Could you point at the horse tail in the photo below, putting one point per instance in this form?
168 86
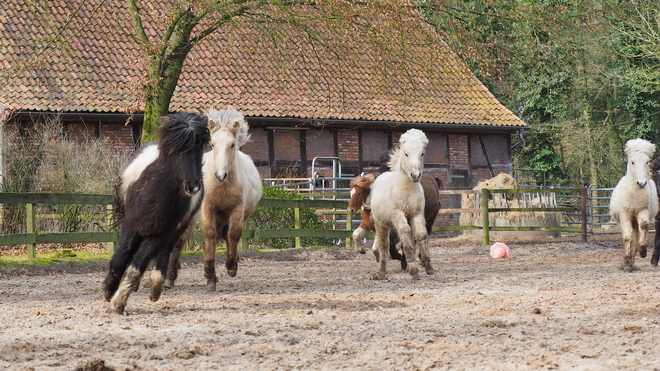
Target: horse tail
118 206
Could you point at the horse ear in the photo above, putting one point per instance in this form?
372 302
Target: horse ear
235 125
212 126
371 177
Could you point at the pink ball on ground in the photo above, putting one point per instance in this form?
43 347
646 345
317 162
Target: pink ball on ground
499 250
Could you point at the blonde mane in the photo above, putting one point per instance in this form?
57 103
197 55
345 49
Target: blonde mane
639 146
411 138
232 120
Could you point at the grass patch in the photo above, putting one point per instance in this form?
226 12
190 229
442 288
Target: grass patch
48 259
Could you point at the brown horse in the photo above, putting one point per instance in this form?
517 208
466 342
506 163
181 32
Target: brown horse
232 188
360 191
656 244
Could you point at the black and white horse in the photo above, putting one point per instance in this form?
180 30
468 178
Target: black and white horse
157 196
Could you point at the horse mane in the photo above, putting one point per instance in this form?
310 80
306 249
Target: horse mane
362 181
182 132
410 136
232 120
639 146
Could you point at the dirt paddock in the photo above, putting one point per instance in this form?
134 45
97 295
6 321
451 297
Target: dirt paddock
556 304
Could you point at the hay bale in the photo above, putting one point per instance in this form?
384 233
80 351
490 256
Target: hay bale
506 219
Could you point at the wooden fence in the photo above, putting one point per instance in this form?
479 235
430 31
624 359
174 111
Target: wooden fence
33 237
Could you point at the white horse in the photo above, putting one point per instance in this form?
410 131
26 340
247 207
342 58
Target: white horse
397 201
232 187
634 201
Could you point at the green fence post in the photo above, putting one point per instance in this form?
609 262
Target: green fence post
30 224
484 215
349 226
109 211
244 241
297 225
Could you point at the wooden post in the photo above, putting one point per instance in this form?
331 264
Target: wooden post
109 210
484 215
244 241
583 207
349 227
30 226
297 225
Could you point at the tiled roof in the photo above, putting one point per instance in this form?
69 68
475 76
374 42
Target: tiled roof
262 69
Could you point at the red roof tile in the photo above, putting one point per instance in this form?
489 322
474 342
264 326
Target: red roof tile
263 71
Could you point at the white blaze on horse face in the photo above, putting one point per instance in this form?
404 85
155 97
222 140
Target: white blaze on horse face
638 168
224 153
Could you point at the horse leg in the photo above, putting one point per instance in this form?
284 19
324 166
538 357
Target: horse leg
421 239
234 234
380 246
131 279
210 230
403 229
174 264
644 223
656 242
357 236
157 274
394 251
627 237
124 251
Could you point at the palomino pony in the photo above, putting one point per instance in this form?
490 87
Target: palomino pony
397 202
232 189
360 191
634 201
656 242
157 196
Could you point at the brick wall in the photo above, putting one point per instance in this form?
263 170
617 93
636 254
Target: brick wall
120 135
458 149
348 147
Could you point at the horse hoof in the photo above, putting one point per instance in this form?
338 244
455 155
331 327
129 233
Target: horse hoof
430 272
210 287
378 276
416 277
362 251
116 310
231 273
628 269
168 284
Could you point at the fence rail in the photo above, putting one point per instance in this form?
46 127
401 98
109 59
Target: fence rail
32 237
332 207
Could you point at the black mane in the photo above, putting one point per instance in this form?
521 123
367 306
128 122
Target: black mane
183 132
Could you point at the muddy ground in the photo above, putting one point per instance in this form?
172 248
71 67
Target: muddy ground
554 304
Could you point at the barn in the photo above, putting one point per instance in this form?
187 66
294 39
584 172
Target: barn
309 104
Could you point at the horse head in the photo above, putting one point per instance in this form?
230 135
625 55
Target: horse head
655 170
360 190
639 152
183 137
229 131
409 157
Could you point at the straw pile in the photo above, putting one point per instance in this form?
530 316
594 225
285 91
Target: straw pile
506 219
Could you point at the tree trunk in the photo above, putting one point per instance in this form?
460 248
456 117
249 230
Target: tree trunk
165 77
